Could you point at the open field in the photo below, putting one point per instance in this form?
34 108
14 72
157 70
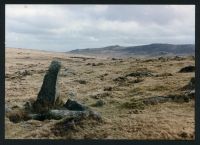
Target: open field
113 82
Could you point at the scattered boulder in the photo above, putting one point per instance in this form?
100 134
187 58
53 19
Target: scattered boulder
162 59
163 75
170 98
48 93
74 105
187 69
140 74
135 111
120 79
108 88
18 74
180 98
101 95
149 60
99 103
41 71
67 72
137 80
71 94
114 58
81 81
97 64
88 64
183 134
102 76
178 58
156 100
23 73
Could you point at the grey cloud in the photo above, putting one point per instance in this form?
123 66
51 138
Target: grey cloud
66 27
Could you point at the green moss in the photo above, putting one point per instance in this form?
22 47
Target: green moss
133 104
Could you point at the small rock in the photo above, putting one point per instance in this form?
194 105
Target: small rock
178 58
191 94
99 103
138 80
67 72
114 58
101 95
22 73
28 106
140 74
7 109
108 88
74 105
155 100
88 64
71 94
81 81
120 79
163 75
187 69
183 134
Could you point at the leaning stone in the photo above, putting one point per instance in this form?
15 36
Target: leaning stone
74 105
48 93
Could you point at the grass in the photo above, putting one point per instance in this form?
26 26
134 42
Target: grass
133 104
161 121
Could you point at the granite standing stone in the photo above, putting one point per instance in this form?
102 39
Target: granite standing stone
48 93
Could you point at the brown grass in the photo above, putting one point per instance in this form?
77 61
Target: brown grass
168 120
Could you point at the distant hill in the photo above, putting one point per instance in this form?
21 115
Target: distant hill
151 50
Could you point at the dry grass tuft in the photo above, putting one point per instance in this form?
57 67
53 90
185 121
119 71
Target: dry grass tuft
133 104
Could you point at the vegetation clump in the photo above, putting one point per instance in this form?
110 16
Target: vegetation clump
134 104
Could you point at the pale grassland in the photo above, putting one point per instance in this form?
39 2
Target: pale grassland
169 120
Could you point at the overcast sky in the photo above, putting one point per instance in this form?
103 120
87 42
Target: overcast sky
67 27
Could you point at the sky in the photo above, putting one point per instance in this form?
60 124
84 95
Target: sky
66 27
